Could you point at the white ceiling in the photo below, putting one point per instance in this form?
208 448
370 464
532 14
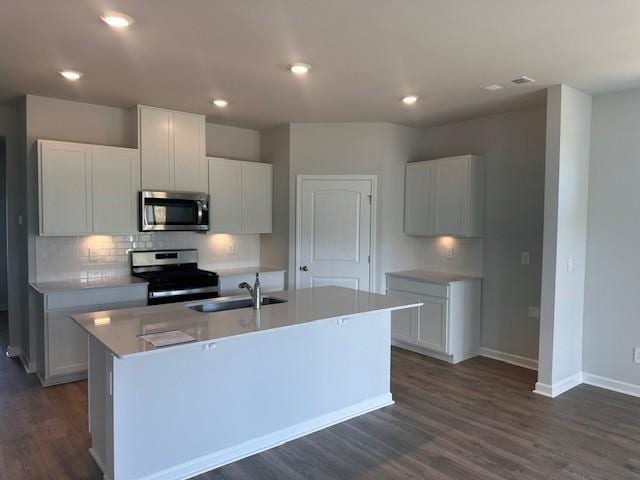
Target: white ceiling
365 55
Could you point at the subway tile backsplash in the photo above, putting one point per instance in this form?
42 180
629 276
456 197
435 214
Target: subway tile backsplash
94 256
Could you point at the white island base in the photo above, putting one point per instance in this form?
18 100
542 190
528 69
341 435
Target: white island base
180 411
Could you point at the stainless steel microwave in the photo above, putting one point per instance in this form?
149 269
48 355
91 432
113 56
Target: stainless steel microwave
176 211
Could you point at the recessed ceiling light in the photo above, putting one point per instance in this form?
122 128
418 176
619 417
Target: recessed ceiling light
70 74
522 80
300 68
410 99
116 19
493 88
220 102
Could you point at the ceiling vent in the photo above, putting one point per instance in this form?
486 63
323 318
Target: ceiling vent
522 80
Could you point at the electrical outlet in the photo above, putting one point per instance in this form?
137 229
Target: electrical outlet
525 258
449 253
636 355
231 249
534 311
569 264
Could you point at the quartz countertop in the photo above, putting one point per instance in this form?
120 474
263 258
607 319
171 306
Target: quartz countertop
118 330
229 272
433 277
82 283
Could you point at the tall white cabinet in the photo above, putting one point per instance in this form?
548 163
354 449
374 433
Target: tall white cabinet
445 197
86 189
172 150
241 196
447 326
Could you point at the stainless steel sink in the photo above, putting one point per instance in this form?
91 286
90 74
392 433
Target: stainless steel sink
232 304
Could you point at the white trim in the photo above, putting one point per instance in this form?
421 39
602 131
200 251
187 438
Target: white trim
29 367
558 388
372 240
611 384
99 463
524 362
445 357
13 351
260 444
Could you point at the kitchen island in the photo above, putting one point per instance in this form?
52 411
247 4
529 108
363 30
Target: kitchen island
248 381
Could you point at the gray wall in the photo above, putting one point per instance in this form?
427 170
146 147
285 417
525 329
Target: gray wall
513 144
565 237
612 303
3 225
12 128
275 148
233 142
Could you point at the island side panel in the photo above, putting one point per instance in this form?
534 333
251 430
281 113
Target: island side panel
181 411
101 406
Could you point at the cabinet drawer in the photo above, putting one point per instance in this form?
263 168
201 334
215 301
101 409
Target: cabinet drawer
421 288
96 296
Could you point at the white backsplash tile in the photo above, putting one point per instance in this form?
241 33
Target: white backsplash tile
61 258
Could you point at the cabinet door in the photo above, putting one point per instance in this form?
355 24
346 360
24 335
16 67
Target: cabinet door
156 148
256 197
66 344
65 188
404 323
188 149
225 191
419 198
452 195
116 182
433 324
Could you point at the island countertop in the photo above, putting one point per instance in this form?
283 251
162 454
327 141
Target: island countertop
119 330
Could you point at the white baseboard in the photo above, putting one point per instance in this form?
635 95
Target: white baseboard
29 367
251 447
529 363
611 384
560 387
422 351
13 351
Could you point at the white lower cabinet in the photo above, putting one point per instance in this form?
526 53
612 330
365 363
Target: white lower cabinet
447 326
62 352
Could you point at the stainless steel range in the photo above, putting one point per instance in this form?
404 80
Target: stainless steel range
173 275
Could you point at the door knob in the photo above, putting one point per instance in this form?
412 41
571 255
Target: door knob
304 268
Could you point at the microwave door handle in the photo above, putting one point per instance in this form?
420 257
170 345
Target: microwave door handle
200 210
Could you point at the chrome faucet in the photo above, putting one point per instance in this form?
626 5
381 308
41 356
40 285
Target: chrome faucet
255 292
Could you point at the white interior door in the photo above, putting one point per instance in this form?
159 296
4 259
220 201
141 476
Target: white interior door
334 233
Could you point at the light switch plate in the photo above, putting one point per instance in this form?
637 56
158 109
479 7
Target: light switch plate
570 265
636 355
450 252
525 258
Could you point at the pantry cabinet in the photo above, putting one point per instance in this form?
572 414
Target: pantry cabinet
240 196
172 150
445 197
447 325
86 189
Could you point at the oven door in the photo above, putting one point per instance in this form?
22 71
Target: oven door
177 211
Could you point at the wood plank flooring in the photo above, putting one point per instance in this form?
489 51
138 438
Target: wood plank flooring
477 420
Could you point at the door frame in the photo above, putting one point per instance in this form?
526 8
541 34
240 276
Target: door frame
372 235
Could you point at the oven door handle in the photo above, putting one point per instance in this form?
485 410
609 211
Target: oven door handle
187 291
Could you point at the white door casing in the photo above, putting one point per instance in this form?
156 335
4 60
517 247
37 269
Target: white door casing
334 231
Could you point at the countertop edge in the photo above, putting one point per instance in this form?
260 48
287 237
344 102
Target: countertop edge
75 288
439 281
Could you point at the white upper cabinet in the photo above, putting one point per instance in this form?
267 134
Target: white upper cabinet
64 171
257 185
115 185
241 196
172 150
87 189
225 194
445 197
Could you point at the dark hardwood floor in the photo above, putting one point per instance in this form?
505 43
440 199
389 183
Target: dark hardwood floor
477 420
